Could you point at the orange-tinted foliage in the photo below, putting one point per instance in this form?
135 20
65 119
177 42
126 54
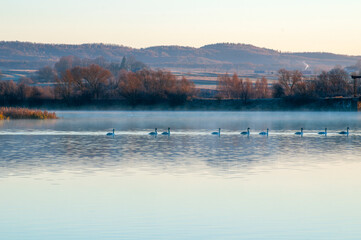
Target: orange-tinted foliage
154 86
24 113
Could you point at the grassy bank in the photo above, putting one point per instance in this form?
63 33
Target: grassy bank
24 113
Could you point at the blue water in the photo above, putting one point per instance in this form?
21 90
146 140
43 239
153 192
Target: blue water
64 179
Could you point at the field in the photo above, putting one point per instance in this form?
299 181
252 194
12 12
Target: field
208 80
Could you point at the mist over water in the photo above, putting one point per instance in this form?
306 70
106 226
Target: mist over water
65 179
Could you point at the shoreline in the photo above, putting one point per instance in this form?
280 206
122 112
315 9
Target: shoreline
273 104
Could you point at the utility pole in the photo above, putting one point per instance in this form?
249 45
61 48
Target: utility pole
355 77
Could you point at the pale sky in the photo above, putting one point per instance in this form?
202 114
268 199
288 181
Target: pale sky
286 25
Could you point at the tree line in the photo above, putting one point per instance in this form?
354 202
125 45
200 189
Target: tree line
144 86
49 74
334 83
77 81
83 84
238 88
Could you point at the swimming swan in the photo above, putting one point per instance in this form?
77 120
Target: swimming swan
300 133
111 133
246 133
154 133
166 133
323 133
345 132
264 133
217 133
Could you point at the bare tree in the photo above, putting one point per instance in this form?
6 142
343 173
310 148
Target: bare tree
289 79
278 91
261 88
130 86
185 89
65 85
66 62
46 74
247 92
223 86
264 87
321 85
152 86
336 82
296 78
284 80
230 88
95 77
23 91
8 89
339 82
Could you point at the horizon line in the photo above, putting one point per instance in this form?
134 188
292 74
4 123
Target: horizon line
172 45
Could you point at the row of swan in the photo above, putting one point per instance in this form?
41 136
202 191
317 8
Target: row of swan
325 132
297 133
151 133
243 133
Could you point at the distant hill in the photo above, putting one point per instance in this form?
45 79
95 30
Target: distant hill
217 57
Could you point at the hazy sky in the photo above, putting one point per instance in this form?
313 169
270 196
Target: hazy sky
286 25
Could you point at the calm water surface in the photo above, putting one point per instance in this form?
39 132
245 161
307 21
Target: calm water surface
64 179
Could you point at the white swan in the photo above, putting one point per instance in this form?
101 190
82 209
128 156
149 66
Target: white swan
166 133
246 133
323 133
345 132
300 133
264 133
217 133
111 133
154 133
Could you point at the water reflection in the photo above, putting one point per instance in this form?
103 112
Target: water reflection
77 141
64 179
30 147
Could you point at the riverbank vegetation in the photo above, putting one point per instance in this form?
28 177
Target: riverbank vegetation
290 84
81 85
334 83
75 82
24 113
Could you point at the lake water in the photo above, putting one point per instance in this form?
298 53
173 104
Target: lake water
64 179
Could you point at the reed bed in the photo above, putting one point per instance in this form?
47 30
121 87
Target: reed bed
25 113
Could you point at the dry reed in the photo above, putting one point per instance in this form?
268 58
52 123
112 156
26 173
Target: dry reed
24 113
